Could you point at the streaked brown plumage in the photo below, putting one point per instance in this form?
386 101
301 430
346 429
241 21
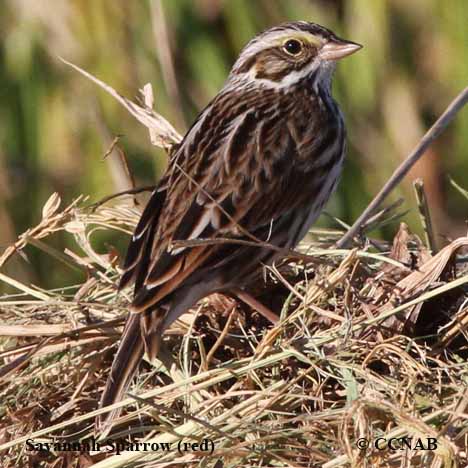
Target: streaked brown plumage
263 158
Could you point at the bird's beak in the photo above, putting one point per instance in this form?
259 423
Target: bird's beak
336 49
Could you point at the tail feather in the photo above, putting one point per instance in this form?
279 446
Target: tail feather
123 369
142 334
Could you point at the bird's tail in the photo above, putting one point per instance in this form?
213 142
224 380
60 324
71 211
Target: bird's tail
123 369
141 333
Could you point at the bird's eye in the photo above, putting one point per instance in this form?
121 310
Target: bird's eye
292 47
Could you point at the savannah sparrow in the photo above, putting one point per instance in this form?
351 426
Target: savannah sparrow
260 162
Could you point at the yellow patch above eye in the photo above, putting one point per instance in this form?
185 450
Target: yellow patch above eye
302 37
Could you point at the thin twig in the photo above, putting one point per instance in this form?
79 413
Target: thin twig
442 122
425 214
289 253
111 147
380 218
187 416
134 191
220 339
461 190
167 135
126 168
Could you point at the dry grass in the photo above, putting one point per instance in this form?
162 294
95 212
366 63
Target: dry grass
372 343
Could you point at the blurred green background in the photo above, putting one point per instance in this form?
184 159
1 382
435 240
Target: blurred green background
55 126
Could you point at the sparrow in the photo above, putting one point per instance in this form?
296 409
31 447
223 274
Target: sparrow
258 164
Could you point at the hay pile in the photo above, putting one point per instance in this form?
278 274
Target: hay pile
372 346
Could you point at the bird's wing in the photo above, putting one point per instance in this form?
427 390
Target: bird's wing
234 173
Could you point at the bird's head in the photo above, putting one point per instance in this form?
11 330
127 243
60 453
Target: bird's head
286 54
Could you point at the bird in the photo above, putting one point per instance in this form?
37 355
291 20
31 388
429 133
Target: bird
257 165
